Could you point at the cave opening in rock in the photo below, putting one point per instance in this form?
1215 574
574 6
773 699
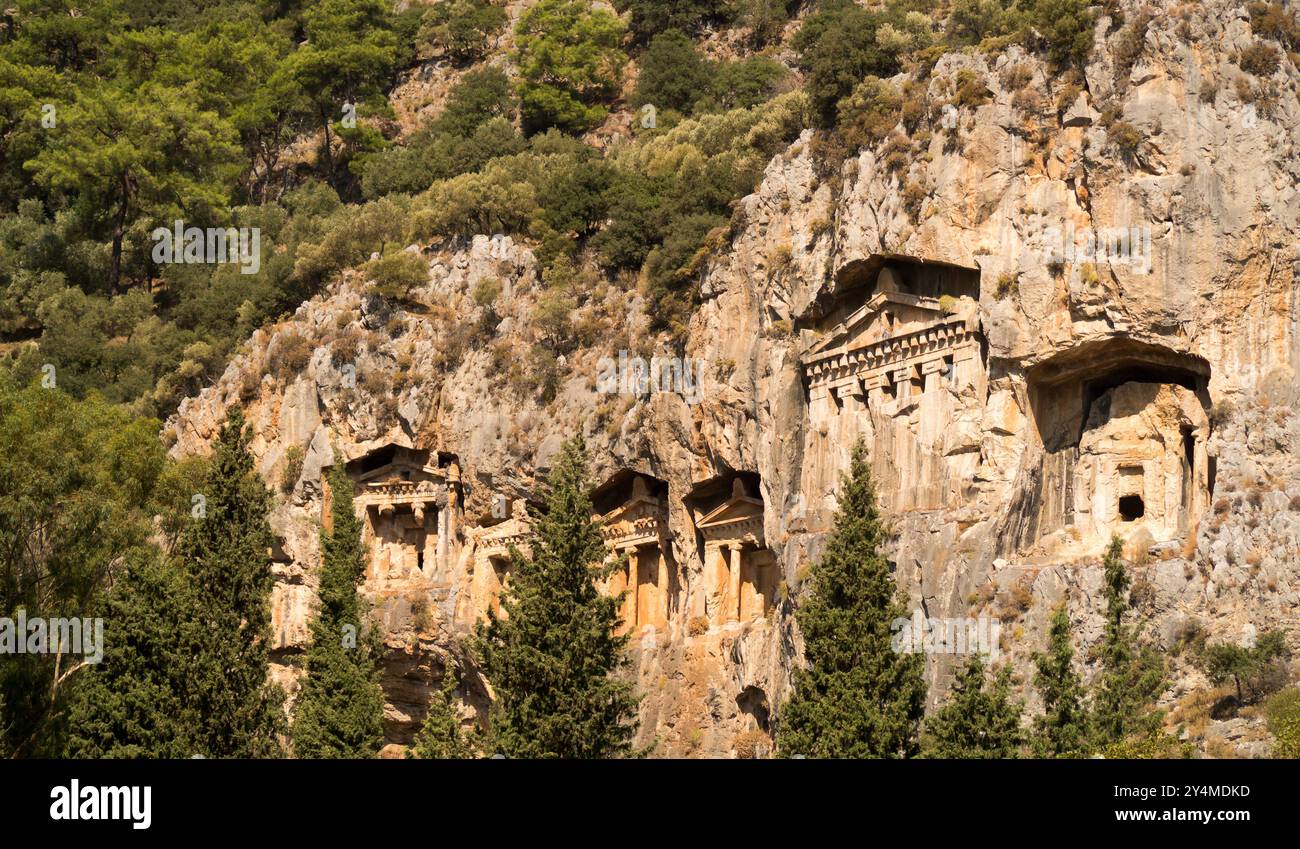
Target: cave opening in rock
753 701
1131 508
1123 427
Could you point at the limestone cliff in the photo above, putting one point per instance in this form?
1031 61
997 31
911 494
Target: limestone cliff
941 295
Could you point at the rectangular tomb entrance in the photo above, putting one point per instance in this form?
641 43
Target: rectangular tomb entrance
410 503
632 508
896 359
739 571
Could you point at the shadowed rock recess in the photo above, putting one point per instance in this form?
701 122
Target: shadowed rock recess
1022 398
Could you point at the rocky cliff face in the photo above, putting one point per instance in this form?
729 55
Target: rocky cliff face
940 295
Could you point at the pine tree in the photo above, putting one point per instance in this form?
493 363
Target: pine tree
441 738
132 703
857 698
551 661
1062 729
1130 677
232 707
340 713
978 721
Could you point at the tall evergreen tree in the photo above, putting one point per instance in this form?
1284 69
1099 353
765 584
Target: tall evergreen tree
441 738
979 720
857 698
132 703
552 660
234 709
1130 677
340 713
1062 729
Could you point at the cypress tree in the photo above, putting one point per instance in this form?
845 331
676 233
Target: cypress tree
131 703
979 720
232 707
1130 677
857 697
340 713
1062 729
552 661
441 738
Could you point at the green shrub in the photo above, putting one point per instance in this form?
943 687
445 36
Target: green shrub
459 29
671 74
292 468
486 291
870 113
1252 671
478 97
764 19
569 62
649 17
972 22
745 82
396 273
1126 137
1283 712
1066 26
837 47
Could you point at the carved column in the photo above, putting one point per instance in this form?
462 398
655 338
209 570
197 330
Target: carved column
663 586
443 534
633 567
733 609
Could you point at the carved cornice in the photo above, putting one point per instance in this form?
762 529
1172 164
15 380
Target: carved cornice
843 362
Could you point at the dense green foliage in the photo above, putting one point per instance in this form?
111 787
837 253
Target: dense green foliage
857 696
1283 712
1062 730
188 631
570 61
225 552
1131 676
340 710
460 29
133 703
979 720
552 660
80 483
1246 668
441 737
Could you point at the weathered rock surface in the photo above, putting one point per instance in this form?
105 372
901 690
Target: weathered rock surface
1207 309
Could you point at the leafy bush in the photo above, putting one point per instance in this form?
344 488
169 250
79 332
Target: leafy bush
649 17
974 22
1126 137
870 113
569 62
1250 670
477 98
674 76
1067 27
837 47
671 73
396 273
292 468
459 29
1283 712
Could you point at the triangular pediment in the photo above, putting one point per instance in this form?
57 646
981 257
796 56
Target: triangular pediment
639 507
400 471
736 509
866 325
